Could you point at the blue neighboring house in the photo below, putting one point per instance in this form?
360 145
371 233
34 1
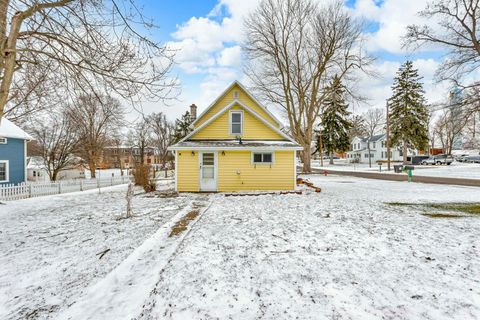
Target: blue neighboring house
13 153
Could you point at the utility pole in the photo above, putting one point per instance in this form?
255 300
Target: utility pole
388 138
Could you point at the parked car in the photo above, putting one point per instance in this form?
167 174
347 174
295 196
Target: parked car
444 159
416 159
430 160
472 159
438 159
461 157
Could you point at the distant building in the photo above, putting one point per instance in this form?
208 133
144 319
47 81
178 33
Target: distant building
13 153
37 171
378 150
126 157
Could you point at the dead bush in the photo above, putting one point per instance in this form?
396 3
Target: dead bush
143 178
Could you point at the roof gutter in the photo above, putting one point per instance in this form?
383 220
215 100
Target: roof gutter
246 148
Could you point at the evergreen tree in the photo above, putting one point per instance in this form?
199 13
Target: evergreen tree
182 126
408 111
335 125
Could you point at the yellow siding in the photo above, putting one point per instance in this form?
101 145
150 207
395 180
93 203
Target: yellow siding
252 128
187 171
227 98
278 176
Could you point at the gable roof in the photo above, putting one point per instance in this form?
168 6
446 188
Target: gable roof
10 130
204 112
374 138
239 103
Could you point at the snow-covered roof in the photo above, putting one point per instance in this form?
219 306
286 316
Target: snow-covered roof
372 139
9 130
35 162
127 147
235 144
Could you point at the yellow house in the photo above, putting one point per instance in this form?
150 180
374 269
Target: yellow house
236 145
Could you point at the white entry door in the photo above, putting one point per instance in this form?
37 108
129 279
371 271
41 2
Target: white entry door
208 171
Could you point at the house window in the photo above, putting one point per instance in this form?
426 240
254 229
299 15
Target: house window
3 171
263 157
3 140
373 145
236 122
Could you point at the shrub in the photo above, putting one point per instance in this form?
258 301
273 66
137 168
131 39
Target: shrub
142 178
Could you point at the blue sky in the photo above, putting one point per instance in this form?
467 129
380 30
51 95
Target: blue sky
206 36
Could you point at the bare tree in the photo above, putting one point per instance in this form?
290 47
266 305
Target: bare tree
95 119
457 30
374 120
358 128
33 93
129 197
432 133
57 142
441 132
90 45
163 135
293 49
139 138
449 127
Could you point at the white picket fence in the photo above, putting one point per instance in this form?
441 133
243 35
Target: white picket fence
38 189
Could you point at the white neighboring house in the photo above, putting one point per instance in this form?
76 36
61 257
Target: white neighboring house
37 171
378 150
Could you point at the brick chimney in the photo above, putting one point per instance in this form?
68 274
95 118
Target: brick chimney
193 112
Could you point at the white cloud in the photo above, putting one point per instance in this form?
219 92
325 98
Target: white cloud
230 56
209 47
393 17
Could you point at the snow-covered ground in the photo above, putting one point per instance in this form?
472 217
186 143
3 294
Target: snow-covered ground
455 170
106 173
49 246
340 254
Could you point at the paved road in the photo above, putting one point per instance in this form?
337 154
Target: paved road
402 177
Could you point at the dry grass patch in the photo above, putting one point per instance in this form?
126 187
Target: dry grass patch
444 210
181 225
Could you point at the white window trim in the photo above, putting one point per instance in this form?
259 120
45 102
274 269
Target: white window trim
3 140
230 122
7 171
263 163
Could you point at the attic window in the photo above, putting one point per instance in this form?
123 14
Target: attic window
235 94
3 140
236 122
